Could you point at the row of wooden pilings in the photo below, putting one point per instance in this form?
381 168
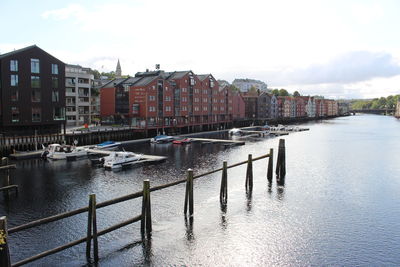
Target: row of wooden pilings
145 216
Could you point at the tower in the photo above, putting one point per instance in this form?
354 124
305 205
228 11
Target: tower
118 72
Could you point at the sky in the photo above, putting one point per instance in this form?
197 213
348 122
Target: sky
337 49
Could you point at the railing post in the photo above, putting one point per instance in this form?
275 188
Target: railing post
89 227
189 193
281 162
5 259
223 195
92 229
249 174
146 226
270 165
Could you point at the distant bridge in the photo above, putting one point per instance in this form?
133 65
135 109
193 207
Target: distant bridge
373 111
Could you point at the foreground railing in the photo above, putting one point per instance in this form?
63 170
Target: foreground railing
145 216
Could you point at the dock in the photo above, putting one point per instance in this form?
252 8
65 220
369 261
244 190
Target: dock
26 154
218 141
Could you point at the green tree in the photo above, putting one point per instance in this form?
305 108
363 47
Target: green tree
275 92
283 92
296 93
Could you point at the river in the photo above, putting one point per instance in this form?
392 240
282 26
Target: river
340 204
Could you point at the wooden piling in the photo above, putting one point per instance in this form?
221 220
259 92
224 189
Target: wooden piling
5 259
249 174
281 161
146 227
92 229
270 165
223 195
89 227
189 193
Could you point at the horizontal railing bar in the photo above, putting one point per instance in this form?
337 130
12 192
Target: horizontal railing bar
76 242
72 213
116 200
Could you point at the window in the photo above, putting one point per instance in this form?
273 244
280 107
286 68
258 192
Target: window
14 114
35 65
168 108
36 114
191 80
152 108
70 90
54 96
205 99
167 98
35 81
14 80
70 81
211 83
14 95
152 97
58 113
54 69
35 96
14 65
54 82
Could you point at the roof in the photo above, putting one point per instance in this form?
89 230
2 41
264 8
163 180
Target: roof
114 82
202 77
145 80
15 52
177 74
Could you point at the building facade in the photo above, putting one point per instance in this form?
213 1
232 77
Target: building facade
32 85
245 85
78 95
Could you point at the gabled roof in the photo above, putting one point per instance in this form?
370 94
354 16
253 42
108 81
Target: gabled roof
202 77
178 74
114 82
145 80
15 52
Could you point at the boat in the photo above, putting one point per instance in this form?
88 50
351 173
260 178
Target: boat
108 145
266 127
159 139
182 141
57 151
235 131
120 159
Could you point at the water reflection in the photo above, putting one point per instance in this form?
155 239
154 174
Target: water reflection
189 228
249 197
280 193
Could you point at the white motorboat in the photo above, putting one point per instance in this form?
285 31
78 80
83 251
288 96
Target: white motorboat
235 131
57 151
120 159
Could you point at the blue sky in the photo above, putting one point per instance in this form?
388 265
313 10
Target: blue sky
339 49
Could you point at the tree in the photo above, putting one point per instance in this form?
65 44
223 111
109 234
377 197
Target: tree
283 92
96 74
296 93
275 92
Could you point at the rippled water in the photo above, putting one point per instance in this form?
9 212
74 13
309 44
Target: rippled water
340 204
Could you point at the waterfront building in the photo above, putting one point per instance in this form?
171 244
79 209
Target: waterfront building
287 106
245 85
320 110
238 106
251 104
293 108
32 85
280 104
310 107
80 103
300 107
264 105
273 107
161 99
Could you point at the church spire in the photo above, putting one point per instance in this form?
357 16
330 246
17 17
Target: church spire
118 72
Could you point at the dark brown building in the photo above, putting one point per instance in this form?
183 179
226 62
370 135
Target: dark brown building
32 89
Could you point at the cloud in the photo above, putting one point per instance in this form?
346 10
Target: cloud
347 68
72 10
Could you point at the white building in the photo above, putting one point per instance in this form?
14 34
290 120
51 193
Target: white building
311 107
78 95
244 85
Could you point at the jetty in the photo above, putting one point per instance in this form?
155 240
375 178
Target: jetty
218 141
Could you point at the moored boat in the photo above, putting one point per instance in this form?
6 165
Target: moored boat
108 145
120 159
161 139
57 151
235 131
182 141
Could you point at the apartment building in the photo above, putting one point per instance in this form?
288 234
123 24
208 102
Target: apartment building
32 86
78 95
